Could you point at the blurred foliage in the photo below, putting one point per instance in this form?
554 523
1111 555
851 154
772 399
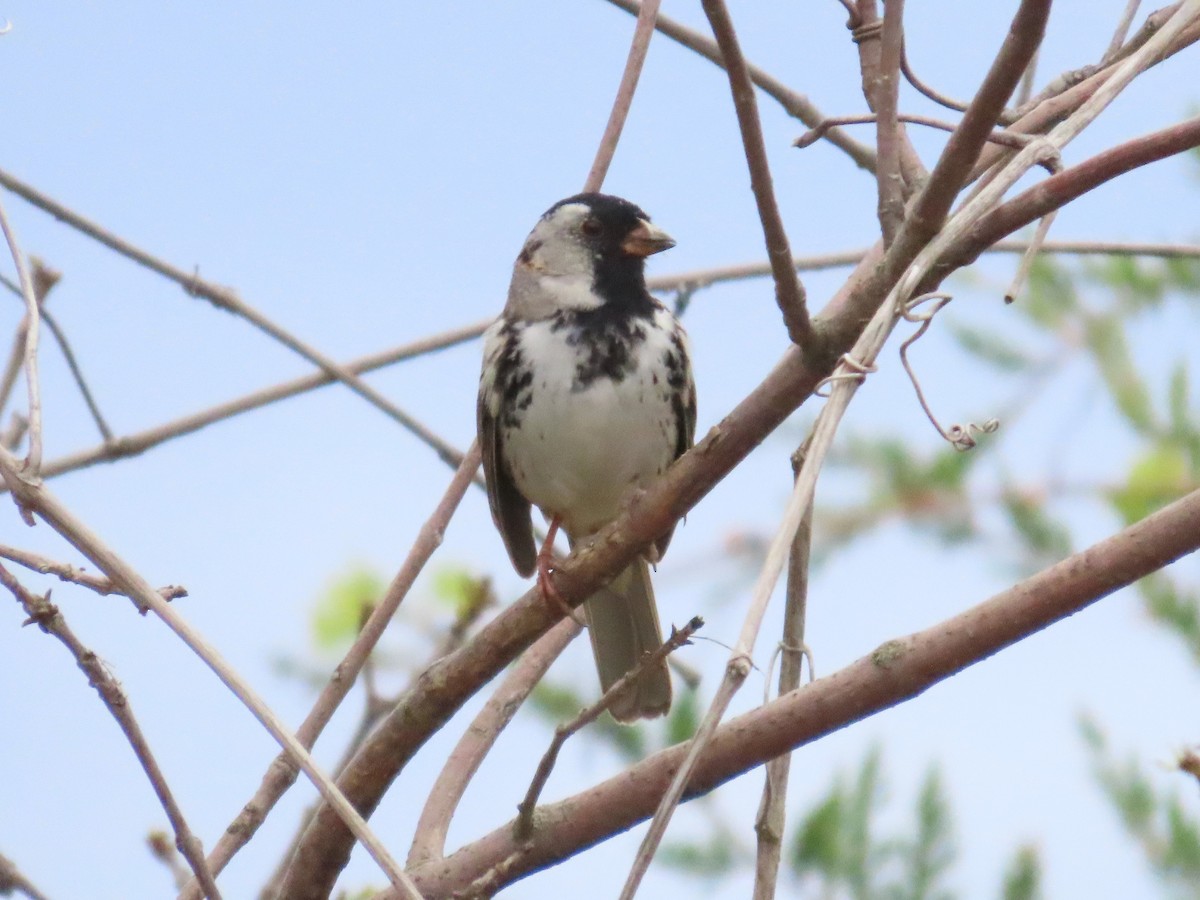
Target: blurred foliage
1163 827
344 606
836 847
1023 879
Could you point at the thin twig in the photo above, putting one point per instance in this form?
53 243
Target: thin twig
1122 30
66 572
702 278
638 47
923 88
1027 258
50 620
772 810
962 149
11 879
226 299
789 292
1004 137
34 496
429 838
526 808
375 707
794 104
134 444
50 277
33 459
282 772
1025 88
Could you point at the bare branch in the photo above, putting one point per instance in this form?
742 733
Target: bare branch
796 105
1118 38
226 299
29 327
35 497
702 278
923 88
282 773
888 136
772 810
11 880
789 292
1007 138
896 671
961 151
1058 190
526 808
429 839
139 442
642 32
48 618
65 572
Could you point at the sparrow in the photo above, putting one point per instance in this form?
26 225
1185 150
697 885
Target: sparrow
586 394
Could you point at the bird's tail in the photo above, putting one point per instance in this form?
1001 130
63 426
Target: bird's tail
623 625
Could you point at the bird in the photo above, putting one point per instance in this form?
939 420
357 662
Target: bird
586 394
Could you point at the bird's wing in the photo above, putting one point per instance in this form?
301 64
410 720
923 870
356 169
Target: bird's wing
510 510
685 417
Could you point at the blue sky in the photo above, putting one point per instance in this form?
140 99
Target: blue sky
364 175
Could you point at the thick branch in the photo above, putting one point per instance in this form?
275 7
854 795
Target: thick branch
1058 190
964 146
896 671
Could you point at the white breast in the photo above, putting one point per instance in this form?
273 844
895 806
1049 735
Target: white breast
579 452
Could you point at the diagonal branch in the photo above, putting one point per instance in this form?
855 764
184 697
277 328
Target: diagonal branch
129 445
888 133
965 144
642 32
1058 190
29 328
794 104
282 772
789 292
49 619
897 671
33 496
429 839
226 299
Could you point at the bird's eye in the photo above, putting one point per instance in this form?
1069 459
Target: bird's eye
590 227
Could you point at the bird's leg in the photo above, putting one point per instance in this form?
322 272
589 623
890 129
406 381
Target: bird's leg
545 560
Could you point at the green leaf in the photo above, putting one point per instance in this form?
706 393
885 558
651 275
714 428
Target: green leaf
1138 284
1050 294
1023 879
928 856
684 718
1045 539
1174 608
340 611
1179 400
1158 477
817 846
990 347
1105 338
704 860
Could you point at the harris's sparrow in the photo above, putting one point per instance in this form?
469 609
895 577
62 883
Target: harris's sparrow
587 393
